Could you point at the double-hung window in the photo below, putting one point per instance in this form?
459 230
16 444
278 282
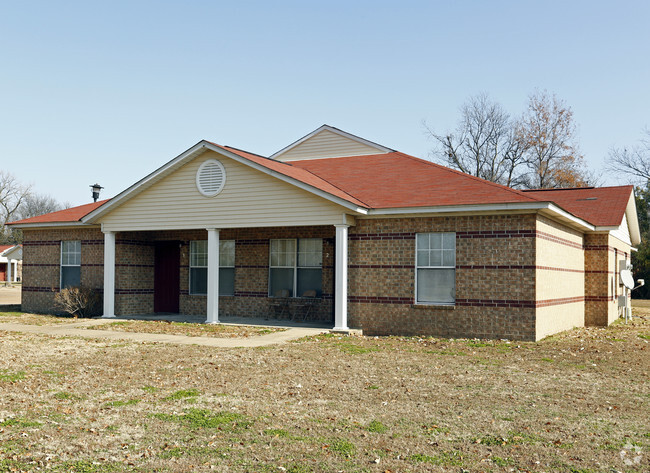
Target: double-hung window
199 267
70 263
435 268
296 267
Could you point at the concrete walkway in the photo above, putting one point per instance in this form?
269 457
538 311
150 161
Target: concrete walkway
77 329
9 295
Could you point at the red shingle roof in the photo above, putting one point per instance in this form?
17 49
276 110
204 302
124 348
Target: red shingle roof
5 247
396 179
73 214
600 206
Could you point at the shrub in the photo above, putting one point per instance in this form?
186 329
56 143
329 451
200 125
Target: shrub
78 301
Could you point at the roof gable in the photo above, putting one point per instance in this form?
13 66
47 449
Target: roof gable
328 142
248 198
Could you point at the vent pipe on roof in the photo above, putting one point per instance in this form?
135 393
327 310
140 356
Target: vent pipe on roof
96 190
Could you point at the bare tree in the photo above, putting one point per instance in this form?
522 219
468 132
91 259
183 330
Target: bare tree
12 196
38 204
634 161
484 143
548 133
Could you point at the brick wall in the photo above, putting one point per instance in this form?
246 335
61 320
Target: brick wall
602 281
41 264
495 277
134 272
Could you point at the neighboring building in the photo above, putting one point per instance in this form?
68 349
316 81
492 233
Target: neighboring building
11 264
385 241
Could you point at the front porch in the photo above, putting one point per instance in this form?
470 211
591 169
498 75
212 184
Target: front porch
282 276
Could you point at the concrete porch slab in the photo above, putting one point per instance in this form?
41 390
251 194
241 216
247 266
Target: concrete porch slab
226 320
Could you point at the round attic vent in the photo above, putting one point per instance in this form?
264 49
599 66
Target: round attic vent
210 178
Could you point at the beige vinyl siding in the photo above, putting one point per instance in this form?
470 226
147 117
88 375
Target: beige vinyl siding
327 144
623 232
250 198
559 275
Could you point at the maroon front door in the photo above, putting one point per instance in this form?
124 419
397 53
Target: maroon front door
166 277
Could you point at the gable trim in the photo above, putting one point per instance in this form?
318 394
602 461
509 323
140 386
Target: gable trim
196 150
342 133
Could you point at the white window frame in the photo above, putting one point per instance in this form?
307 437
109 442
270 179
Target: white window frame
447 267
222 243
62 265
296 266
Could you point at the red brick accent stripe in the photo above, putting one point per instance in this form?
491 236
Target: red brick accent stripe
251 294
600 248
472 302
556 239
381 266
495 303
380 300
41 242
563 270
382 236
133 291
40 289
40 265
560 301
600 298
496 234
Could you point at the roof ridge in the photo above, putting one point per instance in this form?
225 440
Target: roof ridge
577 188
464 174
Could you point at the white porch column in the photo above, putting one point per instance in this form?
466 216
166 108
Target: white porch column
341 277
109 274
15 270
9 268
213 276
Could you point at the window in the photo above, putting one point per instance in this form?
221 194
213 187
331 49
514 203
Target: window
296 266
199 267
70 263
435 268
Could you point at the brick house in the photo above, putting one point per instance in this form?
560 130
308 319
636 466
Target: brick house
11 265
375 238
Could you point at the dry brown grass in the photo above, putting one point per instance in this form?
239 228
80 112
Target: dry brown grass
570 403
188 329
35 319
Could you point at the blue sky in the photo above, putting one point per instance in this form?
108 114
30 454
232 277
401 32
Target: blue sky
109 91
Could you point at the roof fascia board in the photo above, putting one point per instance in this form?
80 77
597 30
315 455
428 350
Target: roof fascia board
632 220
53 225
191 153
485 208
151 177
9 250
358 139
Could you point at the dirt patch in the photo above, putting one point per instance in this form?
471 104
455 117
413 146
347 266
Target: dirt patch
187 329
575 402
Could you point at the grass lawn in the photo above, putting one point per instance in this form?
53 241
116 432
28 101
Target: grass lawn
577 402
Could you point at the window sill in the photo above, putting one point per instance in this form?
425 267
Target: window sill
433 306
